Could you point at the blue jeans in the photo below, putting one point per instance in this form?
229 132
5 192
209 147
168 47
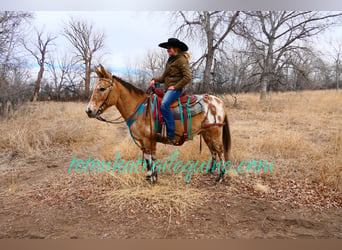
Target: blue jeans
170 97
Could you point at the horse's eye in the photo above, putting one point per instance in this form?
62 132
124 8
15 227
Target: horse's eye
102 89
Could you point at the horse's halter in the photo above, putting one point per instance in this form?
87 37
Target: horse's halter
101 108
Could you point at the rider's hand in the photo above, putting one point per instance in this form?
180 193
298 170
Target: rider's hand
171 88
152 83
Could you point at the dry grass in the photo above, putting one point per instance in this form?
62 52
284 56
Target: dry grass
296 131
261 188
300 133
42 128
169 194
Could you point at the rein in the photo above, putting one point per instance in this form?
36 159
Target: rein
100 118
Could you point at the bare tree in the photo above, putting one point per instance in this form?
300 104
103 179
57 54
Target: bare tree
59 68
39 51
154 63
74 88
336 55
211 27
13 76
236 68
10 34
338 65
87 42
275 33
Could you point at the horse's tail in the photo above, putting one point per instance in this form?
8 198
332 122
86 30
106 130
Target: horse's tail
226 139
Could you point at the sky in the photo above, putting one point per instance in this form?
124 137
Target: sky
171 5
129 35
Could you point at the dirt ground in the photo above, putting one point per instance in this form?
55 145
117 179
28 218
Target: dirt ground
219 217
39 199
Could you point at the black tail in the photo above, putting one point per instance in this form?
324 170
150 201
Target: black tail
226 138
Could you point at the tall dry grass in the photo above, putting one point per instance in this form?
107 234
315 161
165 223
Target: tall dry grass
300 133
48 128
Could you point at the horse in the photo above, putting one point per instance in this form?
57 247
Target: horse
212 123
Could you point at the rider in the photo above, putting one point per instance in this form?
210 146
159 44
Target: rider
176 75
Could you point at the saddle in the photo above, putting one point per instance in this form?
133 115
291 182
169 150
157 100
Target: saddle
183 98
190 105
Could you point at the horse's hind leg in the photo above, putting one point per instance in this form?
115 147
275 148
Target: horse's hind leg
212 137
211 147
219 152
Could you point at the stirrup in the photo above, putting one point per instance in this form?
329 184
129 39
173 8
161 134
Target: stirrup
170 141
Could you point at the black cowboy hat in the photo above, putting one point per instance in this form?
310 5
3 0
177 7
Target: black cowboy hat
174 42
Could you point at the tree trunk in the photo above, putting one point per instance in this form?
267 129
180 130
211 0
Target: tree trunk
210 54
35 95
268 70
263 90
265 80
8 109
337 75
87 81
207 69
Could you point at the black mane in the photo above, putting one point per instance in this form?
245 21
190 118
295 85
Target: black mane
128 85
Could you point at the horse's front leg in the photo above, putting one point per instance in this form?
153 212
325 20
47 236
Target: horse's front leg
152 174
149 159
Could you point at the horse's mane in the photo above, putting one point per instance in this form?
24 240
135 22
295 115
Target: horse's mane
128 85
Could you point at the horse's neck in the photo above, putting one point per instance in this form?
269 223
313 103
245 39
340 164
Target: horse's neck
128 102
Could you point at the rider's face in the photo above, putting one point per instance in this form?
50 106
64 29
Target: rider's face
171 51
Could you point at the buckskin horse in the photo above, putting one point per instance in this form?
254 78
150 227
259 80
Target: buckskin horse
138 110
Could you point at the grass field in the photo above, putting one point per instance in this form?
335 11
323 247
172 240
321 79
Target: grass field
299 132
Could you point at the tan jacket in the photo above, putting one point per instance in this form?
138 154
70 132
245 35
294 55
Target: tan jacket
177 72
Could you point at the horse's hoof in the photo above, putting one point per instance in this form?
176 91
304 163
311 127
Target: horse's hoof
219 179
152 179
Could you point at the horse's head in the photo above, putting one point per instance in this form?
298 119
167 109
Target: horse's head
104 94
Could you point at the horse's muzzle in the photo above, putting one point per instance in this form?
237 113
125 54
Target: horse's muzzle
90 113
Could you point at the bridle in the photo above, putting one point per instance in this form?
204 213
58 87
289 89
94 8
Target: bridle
132 118
99 111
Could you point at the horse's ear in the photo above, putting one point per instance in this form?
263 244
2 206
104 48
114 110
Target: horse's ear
99 73
105 73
